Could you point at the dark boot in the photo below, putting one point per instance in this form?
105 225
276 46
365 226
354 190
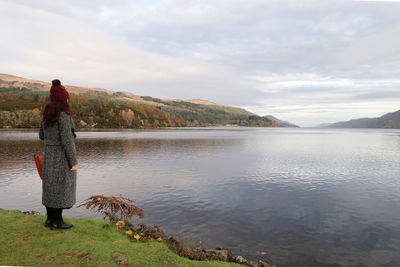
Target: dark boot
59 223
50 216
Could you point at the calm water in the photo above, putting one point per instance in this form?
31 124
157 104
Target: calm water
302 195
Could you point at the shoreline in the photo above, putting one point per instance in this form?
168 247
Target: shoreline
30 224
24 240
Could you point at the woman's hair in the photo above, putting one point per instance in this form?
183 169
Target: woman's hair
55 82
52 110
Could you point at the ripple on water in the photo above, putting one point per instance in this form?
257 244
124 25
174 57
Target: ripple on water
302 195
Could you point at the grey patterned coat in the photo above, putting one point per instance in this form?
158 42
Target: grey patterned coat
59 183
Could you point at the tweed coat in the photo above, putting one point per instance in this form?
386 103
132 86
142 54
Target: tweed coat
59 183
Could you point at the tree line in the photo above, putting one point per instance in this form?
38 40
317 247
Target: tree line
22 108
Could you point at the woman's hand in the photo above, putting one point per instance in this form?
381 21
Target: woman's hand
74 168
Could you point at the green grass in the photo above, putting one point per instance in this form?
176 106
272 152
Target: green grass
25 241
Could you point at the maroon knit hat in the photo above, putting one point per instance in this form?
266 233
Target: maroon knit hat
58 92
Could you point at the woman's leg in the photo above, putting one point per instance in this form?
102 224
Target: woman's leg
50 216
58 220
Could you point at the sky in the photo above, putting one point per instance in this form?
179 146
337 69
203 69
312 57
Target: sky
307 62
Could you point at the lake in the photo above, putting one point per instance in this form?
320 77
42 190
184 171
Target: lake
303 196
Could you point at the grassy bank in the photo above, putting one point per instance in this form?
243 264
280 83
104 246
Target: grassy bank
25 241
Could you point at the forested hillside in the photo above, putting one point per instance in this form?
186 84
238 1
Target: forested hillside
21 102
284 123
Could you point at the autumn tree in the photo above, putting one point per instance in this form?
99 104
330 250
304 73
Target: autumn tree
128 116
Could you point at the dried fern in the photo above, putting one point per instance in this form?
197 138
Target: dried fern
114 208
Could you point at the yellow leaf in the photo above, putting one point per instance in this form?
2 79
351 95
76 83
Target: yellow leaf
120 223
263 253
137 237
129 232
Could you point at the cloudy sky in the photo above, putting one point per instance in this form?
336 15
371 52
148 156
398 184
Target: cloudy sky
308 62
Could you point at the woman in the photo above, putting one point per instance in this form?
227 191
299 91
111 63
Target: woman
59 164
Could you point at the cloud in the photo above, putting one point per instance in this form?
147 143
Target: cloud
398 1
286 58
86 55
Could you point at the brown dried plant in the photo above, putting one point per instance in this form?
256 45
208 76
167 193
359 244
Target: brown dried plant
114 208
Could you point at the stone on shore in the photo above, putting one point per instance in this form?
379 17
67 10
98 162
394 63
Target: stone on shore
192 243
217 254
240 260
174 240
193 253
262 264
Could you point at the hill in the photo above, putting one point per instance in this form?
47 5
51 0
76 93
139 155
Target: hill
21 101
389 120
284 123
11 81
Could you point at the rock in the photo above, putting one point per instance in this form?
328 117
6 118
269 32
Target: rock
192 243
174 244
217 254
252 264
174 240
82 123
240 260
151 232
193 254
262 264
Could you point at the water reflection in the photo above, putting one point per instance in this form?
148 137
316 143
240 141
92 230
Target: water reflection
307 197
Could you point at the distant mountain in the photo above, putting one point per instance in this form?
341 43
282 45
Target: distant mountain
389 120
322 125
284 123
21 101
